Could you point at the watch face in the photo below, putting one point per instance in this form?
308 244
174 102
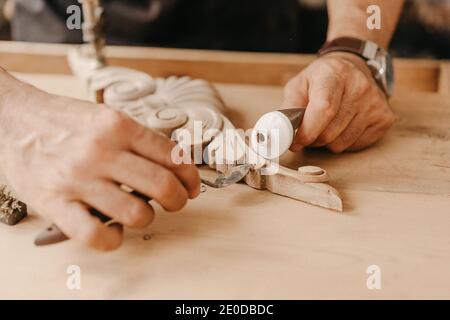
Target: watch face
383 71
390 76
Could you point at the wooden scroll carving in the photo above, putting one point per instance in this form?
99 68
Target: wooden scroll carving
162 104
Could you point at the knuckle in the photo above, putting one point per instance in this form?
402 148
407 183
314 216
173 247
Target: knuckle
305 139
114 121
293 84
73 170
372 116
337 66
326 108
76 168
324 105
289 86
93 151
171 160
167 184
141 132
82 162
326 137
364 84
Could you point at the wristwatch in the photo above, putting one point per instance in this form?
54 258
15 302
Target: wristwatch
378 59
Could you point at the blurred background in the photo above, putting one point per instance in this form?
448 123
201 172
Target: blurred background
243 25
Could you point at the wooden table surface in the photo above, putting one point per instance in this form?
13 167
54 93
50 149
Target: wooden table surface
245 244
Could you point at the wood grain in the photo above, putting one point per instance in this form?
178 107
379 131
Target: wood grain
444 79
243 243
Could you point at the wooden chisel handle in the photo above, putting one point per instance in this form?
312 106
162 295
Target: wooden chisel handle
54 235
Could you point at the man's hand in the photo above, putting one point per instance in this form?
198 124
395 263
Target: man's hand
64 156
346 110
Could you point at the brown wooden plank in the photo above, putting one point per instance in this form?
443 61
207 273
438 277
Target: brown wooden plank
444 79
216 66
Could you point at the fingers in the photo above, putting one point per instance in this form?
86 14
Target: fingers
325 95
150 179
350 135
158 148
363 131
337 126
370 136
74 219
109 199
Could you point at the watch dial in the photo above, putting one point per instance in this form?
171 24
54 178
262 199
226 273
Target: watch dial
390 76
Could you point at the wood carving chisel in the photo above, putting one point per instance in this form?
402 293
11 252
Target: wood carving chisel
54 235
274 132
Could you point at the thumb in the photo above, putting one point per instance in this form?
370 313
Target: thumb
325 95
296 93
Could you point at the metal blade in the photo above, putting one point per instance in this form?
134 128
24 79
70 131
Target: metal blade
233 176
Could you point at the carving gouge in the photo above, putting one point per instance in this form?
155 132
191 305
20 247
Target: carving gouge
53 234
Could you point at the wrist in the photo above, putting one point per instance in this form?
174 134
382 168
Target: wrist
373 36
378 60
14 94
356 60
8 90
15 97
352 22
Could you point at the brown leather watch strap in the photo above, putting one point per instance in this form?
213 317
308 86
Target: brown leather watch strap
346 44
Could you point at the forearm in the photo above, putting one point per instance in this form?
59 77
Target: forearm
15 98
10 89
7 84
13 93
348 18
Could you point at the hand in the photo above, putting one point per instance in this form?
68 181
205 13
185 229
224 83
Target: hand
346 110
64 156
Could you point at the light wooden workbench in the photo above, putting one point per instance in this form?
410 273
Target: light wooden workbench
242 243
